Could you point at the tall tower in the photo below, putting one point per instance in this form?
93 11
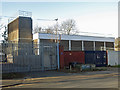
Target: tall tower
20 30
20 34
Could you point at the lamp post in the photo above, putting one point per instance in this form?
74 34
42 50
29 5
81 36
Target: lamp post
57 41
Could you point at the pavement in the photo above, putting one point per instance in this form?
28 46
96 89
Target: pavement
55 79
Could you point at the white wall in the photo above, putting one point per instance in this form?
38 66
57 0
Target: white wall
35 36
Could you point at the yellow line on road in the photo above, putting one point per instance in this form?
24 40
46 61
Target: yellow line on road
61 78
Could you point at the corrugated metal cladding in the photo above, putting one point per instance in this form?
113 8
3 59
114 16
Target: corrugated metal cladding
73 56
99 58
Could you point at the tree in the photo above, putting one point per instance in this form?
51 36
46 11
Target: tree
37 29
5 35
5 32
56 29
68 27
49 30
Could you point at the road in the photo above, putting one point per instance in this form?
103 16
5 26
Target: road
99 79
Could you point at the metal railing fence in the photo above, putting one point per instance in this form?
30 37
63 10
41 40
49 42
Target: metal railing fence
26 57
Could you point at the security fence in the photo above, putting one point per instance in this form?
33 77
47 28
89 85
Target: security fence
26 57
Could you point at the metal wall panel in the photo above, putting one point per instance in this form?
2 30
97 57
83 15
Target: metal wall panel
113 58
73 56
99 58
89 57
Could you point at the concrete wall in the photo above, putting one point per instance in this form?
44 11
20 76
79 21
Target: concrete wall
20 30
35 41
113 58
36 46
25 30
13 30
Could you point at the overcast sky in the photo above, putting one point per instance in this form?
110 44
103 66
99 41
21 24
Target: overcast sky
95 17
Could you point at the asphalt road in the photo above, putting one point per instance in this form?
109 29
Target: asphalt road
99 79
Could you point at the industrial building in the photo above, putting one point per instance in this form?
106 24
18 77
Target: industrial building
80 48
20 31
78 42
34 52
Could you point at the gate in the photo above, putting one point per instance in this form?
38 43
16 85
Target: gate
28 57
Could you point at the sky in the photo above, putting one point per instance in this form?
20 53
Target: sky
94 17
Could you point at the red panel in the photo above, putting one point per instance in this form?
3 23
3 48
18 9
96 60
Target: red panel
74 56
61 55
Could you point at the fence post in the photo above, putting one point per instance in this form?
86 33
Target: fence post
42 56
58 55
1 51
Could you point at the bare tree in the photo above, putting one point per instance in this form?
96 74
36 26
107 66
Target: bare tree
37 29
49 30
4 32
57 29
68 27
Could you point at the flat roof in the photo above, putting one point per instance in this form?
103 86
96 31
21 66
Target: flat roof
73 37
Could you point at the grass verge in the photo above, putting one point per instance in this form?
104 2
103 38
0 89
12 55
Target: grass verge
118 66
13 75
